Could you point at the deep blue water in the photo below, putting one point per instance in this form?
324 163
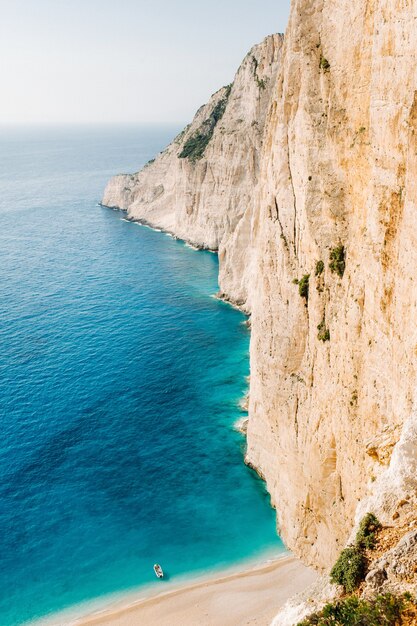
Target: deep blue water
120 378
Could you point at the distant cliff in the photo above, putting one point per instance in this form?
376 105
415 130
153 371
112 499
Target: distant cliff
202 187
303 176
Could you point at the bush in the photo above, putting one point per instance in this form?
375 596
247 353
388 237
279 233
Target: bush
368 527
195 146
319 268
337 260
303 285
261 82
383 610
324 333
349 569
324 64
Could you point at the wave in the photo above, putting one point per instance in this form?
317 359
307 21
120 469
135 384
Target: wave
190 245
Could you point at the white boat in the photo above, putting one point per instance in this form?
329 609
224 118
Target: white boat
158 570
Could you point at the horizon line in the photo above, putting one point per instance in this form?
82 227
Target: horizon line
5 125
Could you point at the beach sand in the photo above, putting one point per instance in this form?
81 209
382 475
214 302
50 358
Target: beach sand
249 597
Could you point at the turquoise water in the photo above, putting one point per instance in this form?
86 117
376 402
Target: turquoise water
120 378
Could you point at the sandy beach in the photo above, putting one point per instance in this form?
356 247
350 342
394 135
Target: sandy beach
248 597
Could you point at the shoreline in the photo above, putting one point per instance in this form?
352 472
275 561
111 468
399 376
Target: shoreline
222 297
252 595
74 614
251 592
159 229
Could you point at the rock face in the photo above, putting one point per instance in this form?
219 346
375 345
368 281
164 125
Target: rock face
395 571
392 567
202 187
339 168
310 175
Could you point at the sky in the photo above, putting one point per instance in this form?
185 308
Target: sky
123 61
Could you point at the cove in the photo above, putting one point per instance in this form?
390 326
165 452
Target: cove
120 384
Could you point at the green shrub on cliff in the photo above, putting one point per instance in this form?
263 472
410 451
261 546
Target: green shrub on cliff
303 285
324 332
349 569
366 536
261 82
195 146
337 260
319 268
383 610
324 64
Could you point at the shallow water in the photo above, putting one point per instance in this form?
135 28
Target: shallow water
120 378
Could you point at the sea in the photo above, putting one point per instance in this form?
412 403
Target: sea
121 378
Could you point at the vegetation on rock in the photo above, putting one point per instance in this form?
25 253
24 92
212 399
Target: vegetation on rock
349 571
319 268
261 82
324 64
366 535
324 333
337 260
350 568
383 610
303 285
194 148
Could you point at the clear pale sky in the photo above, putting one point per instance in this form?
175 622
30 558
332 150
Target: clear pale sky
123 61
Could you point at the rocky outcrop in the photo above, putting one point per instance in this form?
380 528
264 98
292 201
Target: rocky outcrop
392 564
203 186
395 571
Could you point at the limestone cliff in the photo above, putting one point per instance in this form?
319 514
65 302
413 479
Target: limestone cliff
201 188
306 184
333 377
